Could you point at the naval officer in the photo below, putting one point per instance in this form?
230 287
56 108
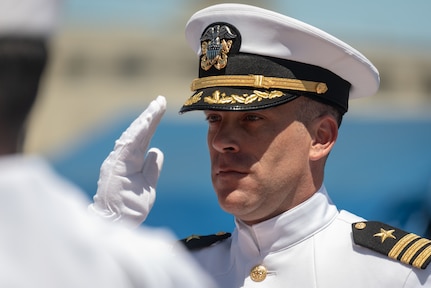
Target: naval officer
274 91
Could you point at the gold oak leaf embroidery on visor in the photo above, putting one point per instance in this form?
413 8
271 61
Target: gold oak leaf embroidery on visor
193 99
222 98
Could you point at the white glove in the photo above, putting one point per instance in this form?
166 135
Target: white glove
127 185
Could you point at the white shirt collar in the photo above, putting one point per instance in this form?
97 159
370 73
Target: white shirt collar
289 228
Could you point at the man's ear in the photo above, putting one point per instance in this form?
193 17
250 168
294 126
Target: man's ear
324 134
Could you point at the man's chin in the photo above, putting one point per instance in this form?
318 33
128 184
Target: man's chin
232 201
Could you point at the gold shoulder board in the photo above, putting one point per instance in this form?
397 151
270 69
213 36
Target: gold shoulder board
397 244
197 241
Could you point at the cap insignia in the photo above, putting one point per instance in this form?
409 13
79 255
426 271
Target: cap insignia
215 44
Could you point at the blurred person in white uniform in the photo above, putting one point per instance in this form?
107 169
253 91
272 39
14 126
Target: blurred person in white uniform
26 28
48 239
274 90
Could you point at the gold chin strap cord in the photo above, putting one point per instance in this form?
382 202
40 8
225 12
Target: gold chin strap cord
259 81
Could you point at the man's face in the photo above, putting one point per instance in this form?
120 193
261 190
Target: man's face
259 160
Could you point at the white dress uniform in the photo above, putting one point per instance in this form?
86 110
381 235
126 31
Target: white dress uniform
308 246
251 59
49 240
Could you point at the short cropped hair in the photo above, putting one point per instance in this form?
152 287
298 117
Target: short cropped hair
310 109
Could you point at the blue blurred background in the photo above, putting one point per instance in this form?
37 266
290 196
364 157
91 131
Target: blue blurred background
111 58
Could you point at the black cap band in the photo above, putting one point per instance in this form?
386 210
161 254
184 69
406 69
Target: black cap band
226 93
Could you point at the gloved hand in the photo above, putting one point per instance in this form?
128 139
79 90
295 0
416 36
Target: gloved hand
127 185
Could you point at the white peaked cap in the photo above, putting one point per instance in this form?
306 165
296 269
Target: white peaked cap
271 34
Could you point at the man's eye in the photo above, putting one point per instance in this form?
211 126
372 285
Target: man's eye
252 117
212 118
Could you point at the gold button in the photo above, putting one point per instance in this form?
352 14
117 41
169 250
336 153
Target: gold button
321 88
258 273
360 225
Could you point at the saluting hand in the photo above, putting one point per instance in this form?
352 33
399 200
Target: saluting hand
127 185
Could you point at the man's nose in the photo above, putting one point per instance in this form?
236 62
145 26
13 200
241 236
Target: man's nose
226 139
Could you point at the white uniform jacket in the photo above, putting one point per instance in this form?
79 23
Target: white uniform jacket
308 246
49 241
